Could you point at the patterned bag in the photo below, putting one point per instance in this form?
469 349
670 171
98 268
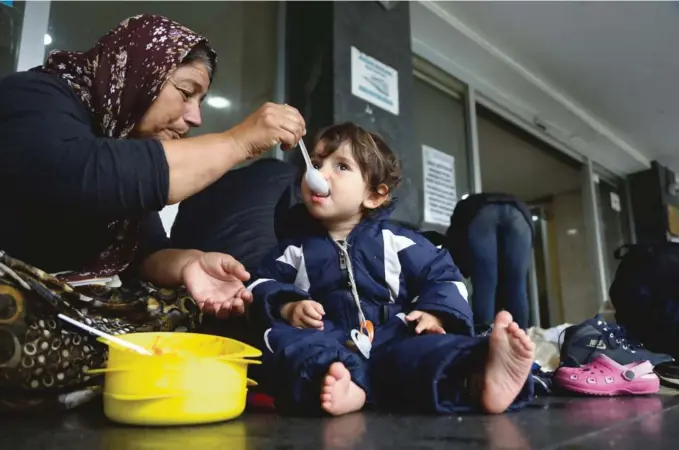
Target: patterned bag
44 362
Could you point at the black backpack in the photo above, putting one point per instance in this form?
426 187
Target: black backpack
645 294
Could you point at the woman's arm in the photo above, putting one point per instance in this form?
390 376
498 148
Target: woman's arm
165 267
50 156
214 280
196 163
156 262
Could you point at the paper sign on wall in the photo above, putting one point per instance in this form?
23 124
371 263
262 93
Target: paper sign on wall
615 202
374 81
440 191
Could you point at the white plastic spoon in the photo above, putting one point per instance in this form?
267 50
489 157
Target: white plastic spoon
314 178
112 339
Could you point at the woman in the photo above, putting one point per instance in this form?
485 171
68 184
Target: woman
91 147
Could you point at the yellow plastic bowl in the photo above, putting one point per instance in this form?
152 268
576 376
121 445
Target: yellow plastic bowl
194 379
187 409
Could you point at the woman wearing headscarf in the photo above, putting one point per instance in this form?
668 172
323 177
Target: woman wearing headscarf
92 145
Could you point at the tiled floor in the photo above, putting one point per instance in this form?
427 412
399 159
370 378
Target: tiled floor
640 423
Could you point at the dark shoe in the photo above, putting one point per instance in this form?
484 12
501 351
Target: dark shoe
668 374
593 337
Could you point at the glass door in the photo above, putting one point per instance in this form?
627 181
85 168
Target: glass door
615 224
541 282
441 131
441 128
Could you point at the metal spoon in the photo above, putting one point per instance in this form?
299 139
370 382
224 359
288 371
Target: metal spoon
314 178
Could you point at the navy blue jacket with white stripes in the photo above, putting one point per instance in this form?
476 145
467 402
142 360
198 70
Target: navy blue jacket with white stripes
384 268
381 271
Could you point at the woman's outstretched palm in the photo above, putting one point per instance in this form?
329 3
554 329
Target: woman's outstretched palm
215 281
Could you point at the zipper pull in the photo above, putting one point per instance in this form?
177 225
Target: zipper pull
342 256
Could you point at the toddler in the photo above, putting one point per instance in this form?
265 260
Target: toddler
358 310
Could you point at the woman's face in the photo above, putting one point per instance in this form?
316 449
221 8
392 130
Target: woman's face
177 108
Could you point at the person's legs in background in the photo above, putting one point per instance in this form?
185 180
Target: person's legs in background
484 263
515 244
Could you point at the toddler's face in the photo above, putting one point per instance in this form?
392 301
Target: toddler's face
349 191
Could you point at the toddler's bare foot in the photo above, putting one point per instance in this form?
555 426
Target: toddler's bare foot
510 359
340 395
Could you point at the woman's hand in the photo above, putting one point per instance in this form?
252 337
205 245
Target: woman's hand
304 314
215 281
270 125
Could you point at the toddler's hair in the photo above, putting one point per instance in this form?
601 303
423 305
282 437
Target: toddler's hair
378 163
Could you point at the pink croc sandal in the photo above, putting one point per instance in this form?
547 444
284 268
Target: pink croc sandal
605 377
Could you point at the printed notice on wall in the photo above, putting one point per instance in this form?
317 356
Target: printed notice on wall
440 191
615 202
374 81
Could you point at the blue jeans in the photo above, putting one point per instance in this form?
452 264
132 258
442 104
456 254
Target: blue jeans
500 243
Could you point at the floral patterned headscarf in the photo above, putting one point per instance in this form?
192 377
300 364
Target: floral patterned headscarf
119 78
